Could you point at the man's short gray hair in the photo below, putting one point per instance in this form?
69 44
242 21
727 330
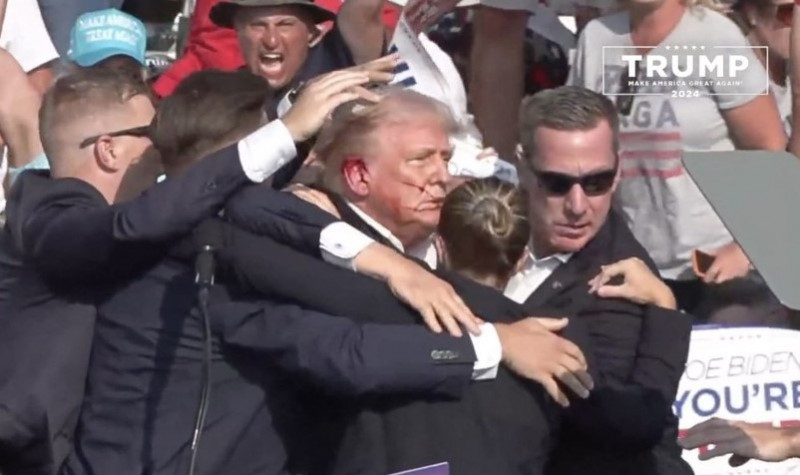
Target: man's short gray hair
566 108
350 129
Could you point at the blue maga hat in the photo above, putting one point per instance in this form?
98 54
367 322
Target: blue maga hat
101 34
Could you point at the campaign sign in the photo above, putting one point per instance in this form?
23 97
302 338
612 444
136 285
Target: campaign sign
747 374
438 469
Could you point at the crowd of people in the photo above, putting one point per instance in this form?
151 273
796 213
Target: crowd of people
277 258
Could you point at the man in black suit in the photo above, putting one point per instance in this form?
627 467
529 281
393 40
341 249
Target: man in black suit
63 230
570 165
147 357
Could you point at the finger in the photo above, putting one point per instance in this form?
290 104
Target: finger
381 77
711 435
337 100
722 448
462 313
555 392
623 291
573 383
342 84
385 63
705 426
586 379
713 272
366 94
429 317
571 350
447 318
552 324
337 82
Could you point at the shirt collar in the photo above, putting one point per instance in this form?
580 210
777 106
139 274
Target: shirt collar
425 251
532 260
382 230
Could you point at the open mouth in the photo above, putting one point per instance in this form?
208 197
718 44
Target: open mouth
271 64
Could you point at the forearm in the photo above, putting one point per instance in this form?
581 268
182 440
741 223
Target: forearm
20 131
345 357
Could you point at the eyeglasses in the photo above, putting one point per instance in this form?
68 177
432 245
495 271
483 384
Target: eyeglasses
593 184
627 90
141 131
784 14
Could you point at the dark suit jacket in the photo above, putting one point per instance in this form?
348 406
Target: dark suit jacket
145 375
499 427
61 240
636 355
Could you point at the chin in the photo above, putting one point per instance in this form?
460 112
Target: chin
570 245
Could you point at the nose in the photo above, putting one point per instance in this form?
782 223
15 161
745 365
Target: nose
441 175
576 203
270 38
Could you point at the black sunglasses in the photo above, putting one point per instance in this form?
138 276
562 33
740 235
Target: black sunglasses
141 131
593 184
627 90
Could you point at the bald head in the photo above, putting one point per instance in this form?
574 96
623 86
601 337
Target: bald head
85 104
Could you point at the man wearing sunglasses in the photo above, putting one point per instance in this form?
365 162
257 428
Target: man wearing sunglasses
569 164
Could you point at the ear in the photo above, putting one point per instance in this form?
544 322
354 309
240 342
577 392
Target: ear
106 156
315 35
356 176
618 176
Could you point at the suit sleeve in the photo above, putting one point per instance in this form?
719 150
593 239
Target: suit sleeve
636 409
71 237
251 261
346 357
281 216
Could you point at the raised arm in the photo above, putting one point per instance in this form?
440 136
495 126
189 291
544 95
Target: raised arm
360 23
71 239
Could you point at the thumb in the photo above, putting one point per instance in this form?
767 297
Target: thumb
553 324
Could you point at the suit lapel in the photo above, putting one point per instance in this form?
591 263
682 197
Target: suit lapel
353 219
565 277
577 271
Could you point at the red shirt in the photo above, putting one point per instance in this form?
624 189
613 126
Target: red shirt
208 47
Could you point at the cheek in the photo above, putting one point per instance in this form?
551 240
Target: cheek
249 40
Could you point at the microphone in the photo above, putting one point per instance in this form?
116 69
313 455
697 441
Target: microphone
204 266
208 238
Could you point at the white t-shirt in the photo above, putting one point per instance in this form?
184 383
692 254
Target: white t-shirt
25 37
783 98
664 208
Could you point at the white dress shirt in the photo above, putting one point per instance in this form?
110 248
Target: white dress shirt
341 243
533 273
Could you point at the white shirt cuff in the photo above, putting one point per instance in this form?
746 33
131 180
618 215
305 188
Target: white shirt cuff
488 353
266 150
341 243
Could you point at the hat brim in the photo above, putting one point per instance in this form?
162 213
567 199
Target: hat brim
91 58
222 13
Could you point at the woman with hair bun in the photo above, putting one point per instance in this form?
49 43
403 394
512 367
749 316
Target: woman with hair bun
483 230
